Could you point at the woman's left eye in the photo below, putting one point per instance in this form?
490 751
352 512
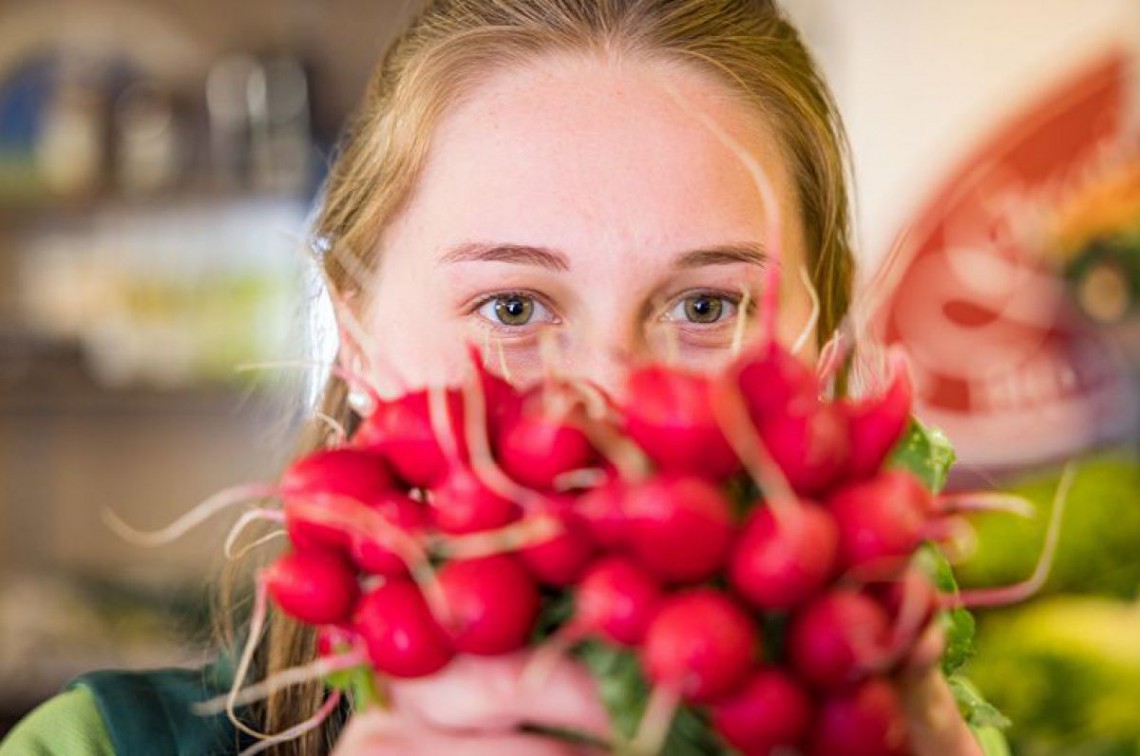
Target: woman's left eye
702 309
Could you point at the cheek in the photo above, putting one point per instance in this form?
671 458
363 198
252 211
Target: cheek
412 330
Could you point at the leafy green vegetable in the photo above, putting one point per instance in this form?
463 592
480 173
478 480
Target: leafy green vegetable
926 452
625 693
977 711
992 741
359 683
957 624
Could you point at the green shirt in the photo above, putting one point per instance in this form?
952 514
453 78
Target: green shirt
68 725
129 713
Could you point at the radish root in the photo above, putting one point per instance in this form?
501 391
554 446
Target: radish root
813 316
297 730
1017 592
196 516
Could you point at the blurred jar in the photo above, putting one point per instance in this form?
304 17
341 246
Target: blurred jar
147 141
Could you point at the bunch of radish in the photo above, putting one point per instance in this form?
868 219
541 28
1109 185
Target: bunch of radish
682 526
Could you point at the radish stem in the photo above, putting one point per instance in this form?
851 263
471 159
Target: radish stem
588 477
731 414
483 463
654 726
533 530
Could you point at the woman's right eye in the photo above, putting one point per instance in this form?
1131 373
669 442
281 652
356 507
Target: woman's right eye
514 310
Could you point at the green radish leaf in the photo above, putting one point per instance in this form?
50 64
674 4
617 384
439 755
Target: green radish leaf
992 740
625 693
556 609
359 684
957 624
977 711
925 452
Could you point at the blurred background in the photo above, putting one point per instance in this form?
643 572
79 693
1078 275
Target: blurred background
158 160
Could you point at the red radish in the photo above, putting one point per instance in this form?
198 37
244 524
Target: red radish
771 378
876 424
670 417
881 520
501 398
835 638
534 448
602 510
616 598
780 562
402 637
340 479
559 561
679 527
808 439
370 553
402 431
701 645
865 721
351 473
315 586
493 603
912 587
331 477
771 711
463 504
334 639
911 603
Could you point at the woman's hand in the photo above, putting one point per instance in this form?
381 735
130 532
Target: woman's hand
476 705
933 722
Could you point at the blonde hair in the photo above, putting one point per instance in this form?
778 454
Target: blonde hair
748 45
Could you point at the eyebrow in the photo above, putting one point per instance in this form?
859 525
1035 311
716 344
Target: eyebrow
519 254
551 259
723 254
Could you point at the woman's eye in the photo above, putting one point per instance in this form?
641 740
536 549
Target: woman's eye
514 310
703 309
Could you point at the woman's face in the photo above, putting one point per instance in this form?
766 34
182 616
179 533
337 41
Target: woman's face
573 216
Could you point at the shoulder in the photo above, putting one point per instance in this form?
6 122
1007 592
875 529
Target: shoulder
67 725
153 711
115 713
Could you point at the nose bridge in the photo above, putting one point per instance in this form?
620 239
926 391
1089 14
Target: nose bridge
604 353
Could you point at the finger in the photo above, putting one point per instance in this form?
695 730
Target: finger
935 726
927 650
488 694
379 733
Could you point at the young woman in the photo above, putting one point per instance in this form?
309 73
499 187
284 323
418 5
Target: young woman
562 180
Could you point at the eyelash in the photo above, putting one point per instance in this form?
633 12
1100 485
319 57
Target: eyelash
521 294
733 298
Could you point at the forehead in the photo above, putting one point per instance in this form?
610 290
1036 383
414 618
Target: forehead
585 152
